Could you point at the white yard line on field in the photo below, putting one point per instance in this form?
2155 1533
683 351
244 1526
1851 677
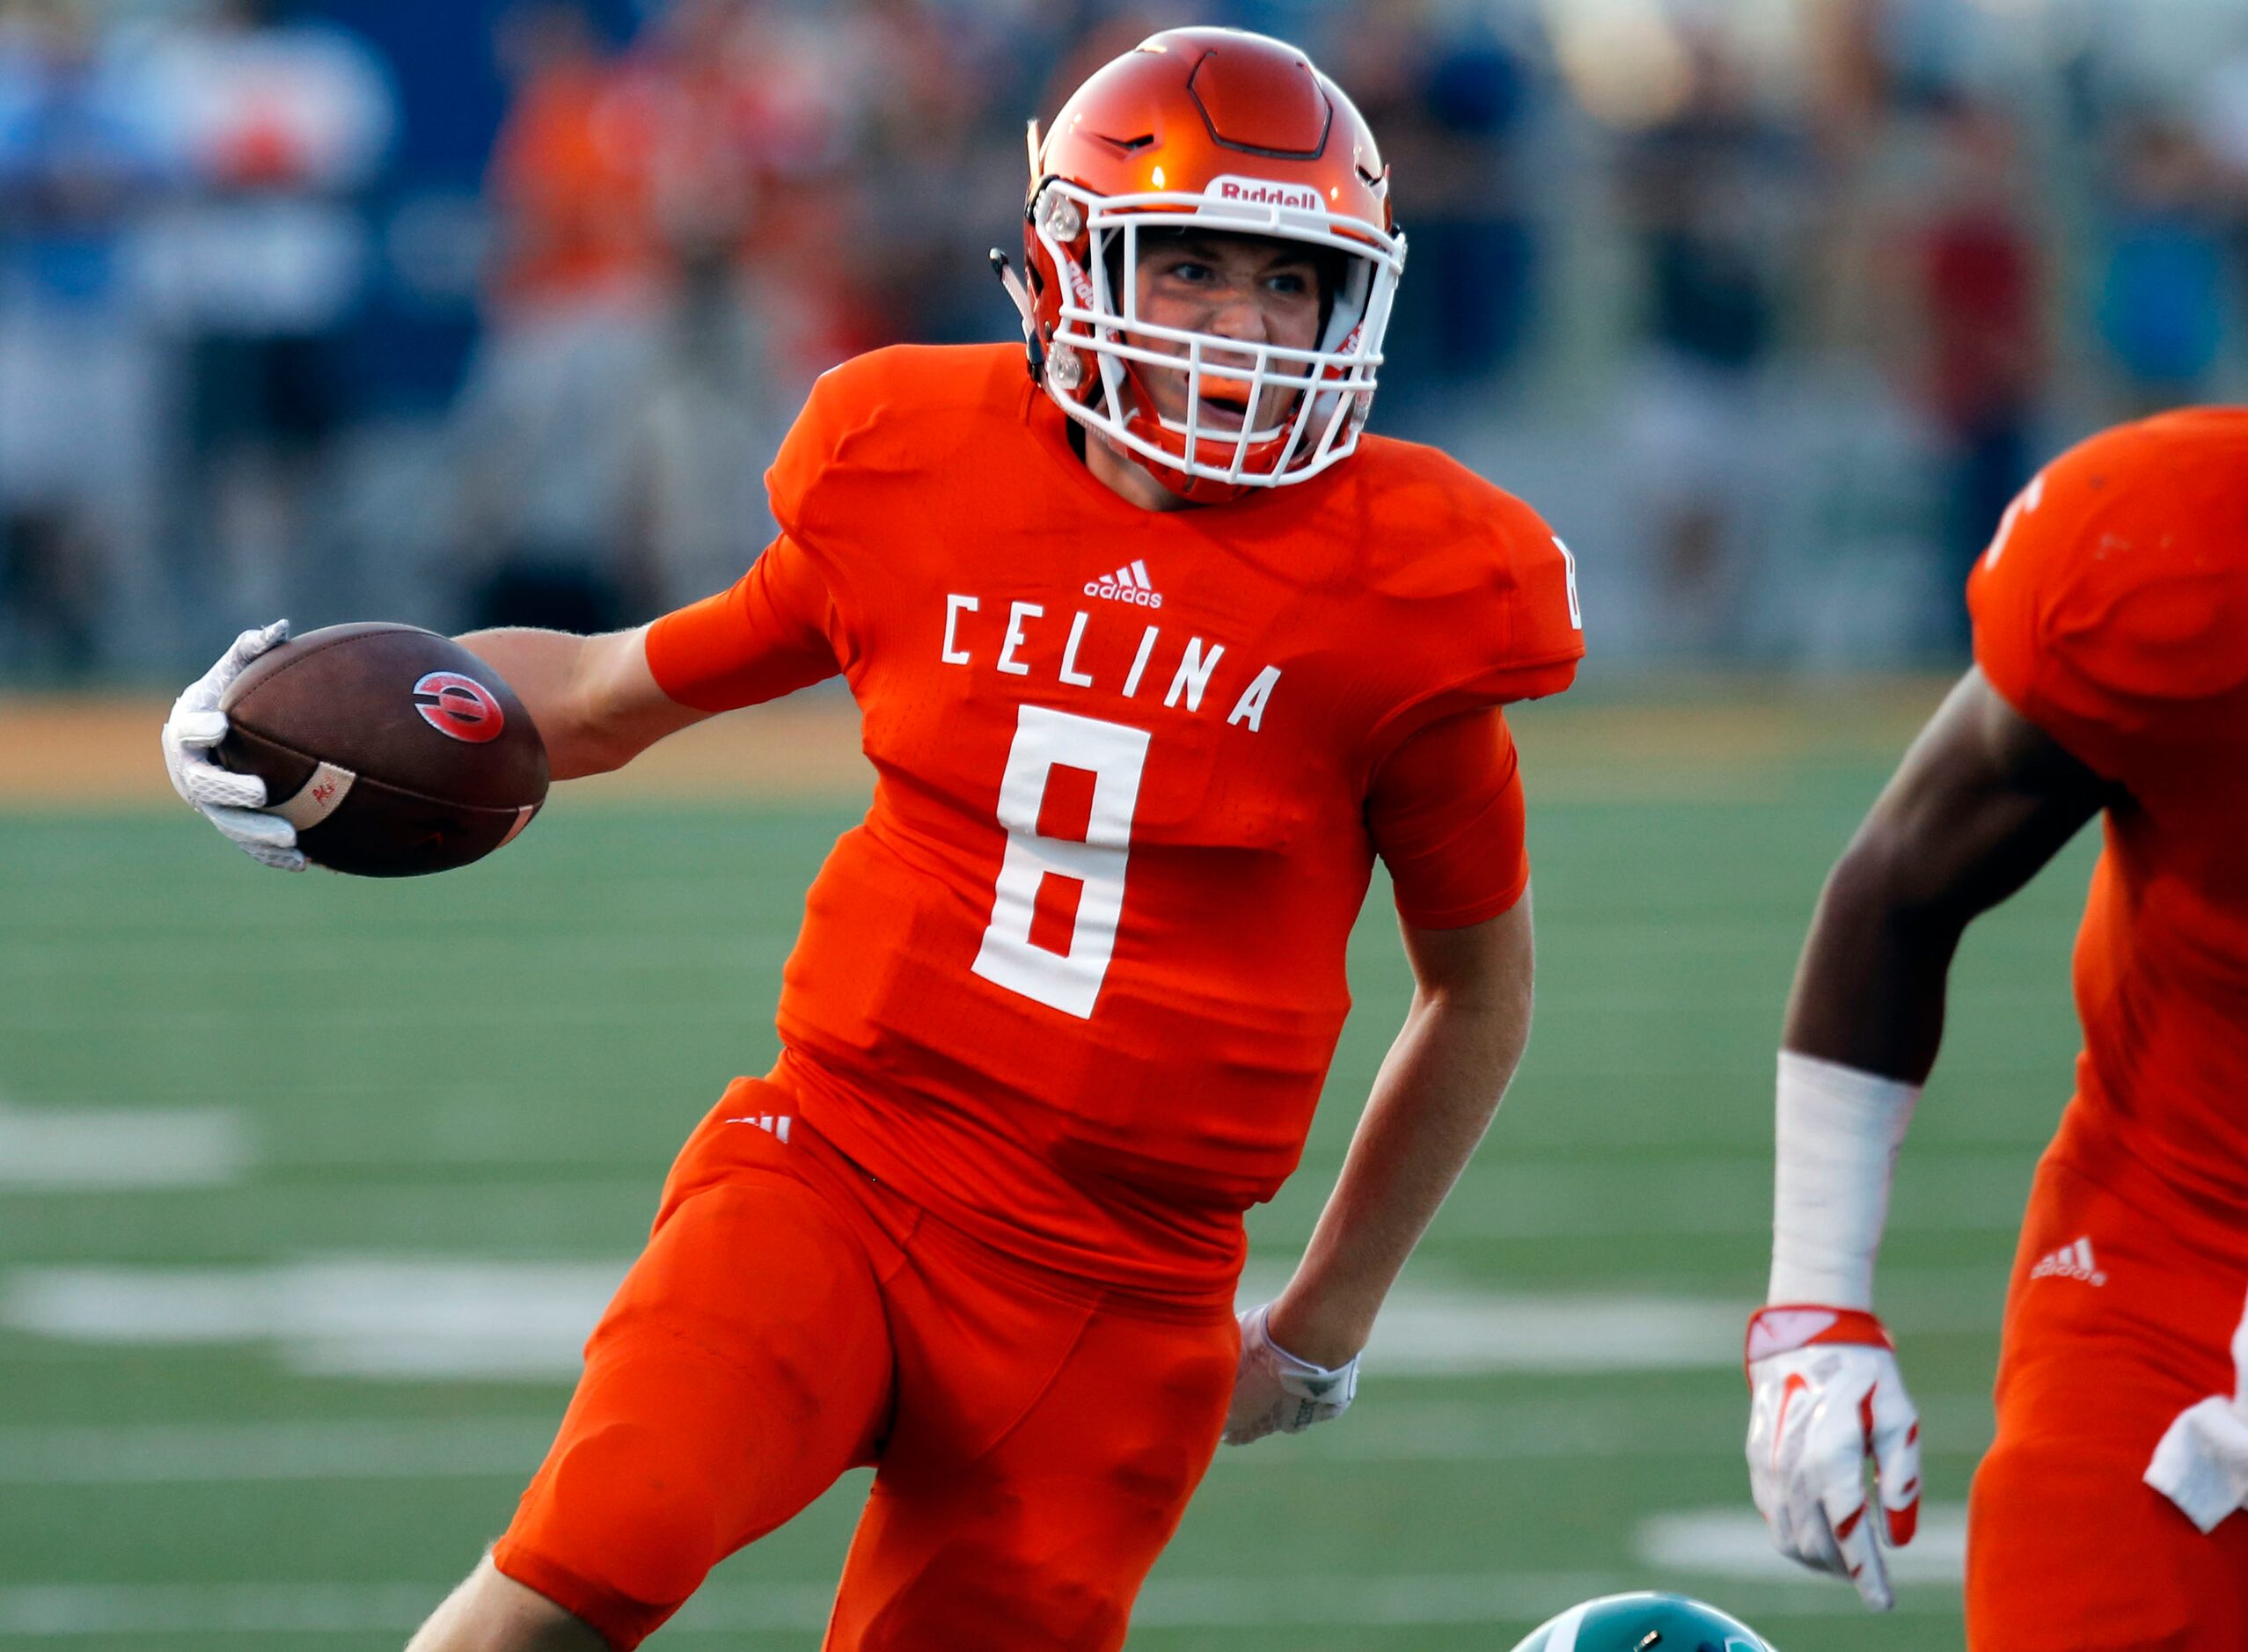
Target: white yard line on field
80 1150
409 1317
1731 1542
347 1316
1448 1331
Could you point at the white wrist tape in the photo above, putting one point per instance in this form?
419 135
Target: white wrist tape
1835 1149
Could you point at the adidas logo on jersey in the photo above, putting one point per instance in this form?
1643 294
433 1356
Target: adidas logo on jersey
771 1124
2070 1261
1128 584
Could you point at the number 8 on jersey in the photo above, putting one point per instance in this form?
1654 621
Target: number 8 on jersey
1068 980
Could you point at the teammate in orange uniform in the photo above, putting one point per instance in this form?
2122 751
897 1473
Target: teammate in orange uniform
2111 617
1154 657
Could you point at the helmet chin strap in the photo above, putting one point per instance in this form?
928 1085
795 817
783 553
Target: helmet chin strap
1034 347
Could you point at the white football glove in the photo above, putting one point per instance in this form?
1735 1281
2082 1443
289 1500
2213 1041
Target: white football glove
1273 1389
234 803
1825 1395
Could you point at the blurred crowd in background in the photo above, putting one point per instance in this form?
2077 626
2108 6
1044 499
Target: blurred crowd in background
466 312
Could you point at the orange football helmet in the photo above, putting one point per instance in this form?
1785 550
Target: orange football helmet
1217 129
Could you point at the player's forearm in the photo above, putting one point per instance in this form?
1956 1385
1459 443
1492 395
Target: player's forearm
1862 1031
594 699
549 671
1434 1100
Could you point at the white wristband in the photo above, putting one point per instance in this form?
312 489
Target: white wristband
1834 1150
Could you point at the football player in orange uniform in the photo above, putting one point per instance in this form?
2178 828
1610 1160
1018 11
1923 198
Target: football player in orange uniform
2111 619
1154 656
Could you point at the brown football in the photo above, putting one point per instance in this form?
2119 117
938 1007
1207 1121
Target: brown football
392 751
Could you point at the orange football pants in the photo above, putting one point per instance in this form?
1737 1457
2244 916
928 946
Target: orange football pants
2067 1545
1036 1436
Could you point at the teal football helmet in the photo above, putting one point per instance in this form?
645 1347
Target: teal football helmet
1644 1623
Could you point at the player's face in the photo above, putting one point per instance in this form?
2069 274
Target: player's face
1239 287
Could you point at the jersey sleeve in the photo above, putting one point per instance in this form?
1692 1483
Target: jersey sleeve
1498 622
801 613
1445 815
792 483
2108 607
836 487
775 630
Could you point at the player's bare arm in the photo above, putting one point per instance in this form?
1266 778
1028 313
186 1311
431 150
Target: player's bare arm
1983 800
1435 1096
490 1612
597 703
1431 1102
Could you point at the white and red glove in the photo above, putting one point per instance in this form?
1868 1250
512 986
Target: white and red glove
234 803
1825 1392
1826 1396
1274 1390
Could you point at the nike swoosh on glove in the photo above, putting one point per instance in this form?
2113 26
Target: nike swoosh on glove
1273 1390
1826 1395
234 803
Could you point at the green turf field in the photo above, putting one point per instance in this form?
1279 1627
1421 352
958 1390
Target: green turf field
386 1142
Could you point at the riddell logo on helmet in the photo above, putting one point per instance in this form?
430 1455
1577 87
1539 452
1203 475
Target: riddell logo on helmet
459 706
1264 191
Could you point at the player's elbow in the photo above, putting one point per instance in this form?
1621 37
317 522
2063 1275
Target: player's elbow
1890 880
1500 994
1476 968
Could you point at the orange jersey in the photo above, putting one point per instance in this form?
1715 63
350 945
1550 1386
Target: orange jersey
1075 981
2111 610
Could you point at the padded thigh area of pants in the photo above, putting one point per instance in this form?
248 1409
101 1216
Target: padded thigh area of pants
743 1365
1040 1543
